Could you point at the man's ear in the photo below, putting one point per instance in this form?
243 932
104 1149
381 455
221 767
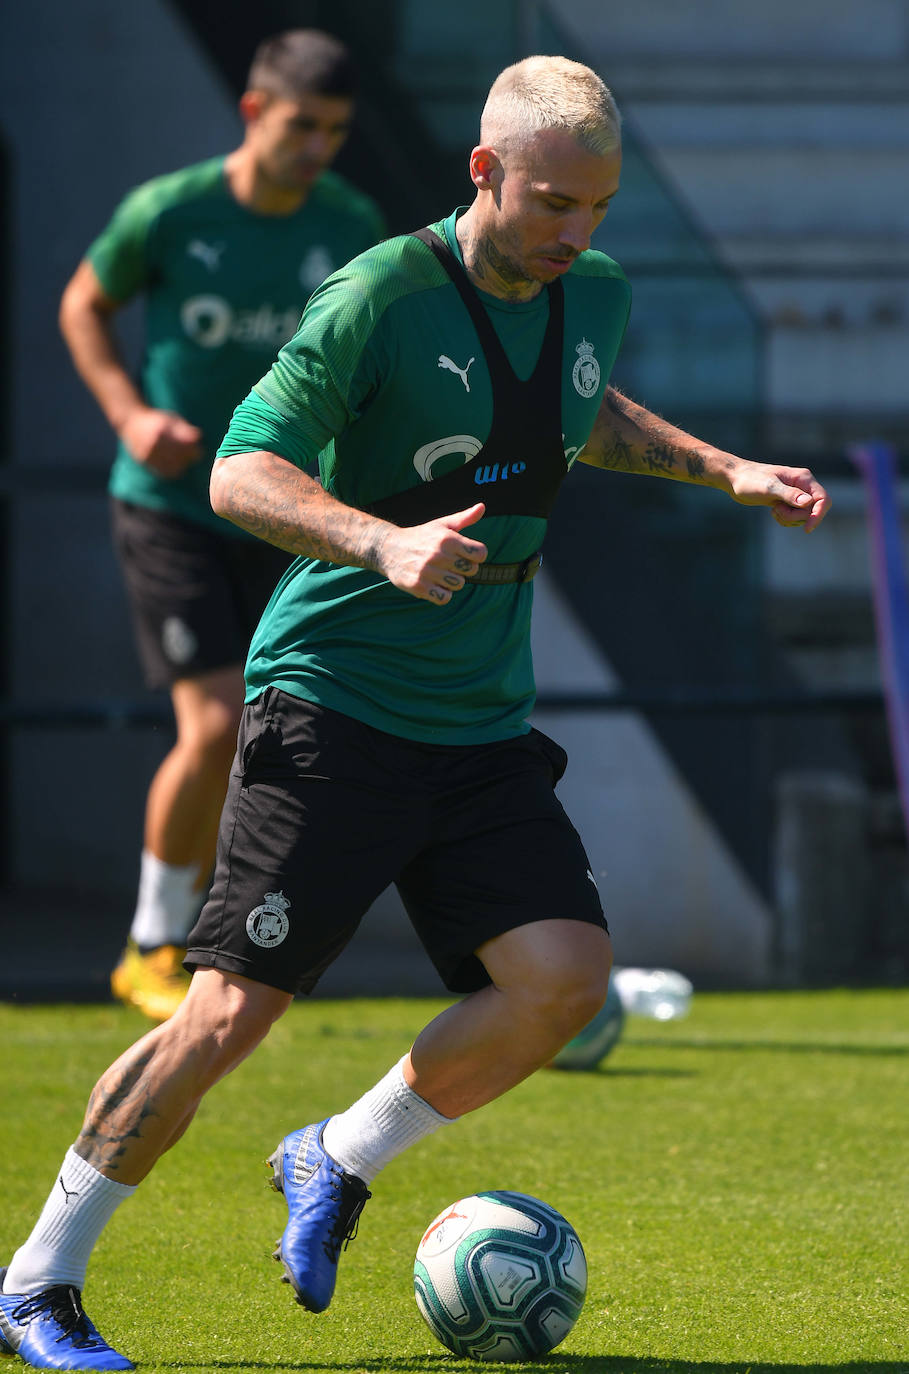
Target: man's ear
251 105
485 168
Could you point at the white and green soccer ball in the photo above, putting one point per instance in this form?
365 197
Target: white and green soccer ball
500 1276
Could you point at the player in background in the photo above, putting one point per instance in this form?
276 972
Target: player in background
385 736
226 253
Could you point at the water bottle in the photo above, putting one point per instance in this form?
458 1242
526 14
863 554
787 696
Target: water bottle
660 993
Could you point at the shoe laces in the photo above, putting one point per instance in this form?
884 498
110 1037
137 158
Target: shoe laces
353 1196
63 1305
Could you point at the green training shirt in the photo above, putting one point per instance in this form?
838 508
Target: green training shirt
224 287
385 385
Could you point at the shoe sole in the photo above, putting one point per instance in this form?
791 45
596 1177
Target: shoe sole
276 1163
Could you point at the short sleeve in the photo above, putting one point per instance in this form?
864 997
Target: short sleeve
257 425
327 373
120 253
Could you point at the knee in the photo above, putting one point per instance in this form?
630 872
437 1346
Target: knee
570 993
211 737
222 1019
578 1002
240 1022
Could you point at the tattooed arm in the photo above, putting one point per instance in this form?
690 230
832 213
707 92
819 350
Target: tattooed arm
271 498
628 438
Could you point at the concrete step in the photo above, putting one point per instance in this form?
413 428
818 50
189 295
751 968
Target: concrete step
456 75
792 190
746 78
806 124
864 258
812 368
838 304
809 31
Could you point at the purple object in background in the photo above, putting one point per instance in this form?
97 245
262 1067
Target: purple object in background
877 463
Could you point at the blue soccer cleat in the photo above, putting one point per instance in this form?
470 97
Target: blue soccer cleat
323 1204
50 1330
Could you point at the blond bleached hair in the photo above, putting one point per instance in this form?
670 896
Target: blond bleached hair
550 93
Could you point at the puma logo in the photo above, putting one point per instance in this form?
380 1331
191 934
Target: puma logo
207 253
445 361
66 1191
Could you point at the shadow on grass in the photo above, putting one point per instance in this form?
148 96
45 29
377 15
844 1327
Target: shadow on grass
654 1042
559 1364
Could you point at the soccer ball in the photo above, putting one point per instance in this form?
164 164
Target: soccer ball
597 1038
500 1276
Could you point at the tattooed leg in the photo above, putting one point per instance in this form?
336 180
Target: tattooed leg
144 1102
120 1103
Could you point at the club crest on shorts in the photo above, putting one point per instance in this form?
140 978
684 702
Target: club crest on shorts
178 640
267 925
586 371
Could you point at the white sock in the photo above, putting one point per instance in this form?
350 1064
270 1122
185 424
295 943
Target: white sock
168 902
382 1124
81 1203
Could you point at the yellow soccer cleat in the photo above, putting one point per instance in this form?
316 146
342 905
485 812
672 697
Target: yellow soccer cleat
155 983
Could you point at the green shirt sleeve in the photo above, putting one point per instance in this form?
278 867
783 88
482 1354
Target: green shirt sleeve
119 254
321 379
257 425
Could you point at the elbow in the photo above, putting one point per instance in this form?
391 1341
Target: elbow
65 312
218 485
80 299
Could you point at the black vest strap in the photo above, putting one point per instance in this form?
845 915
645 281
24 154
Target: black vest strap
490 342
521 465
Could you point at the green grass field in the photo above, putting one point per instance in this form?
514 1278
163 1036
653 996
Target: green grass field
739 1181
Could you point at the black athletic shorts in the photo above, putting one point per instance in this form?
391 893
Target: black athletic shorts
323 812
196 596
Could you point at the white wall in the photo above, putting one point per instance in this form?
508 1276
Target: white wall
674 894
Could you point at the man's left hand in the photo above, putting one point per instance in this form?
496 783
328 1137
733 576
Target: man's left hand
794 495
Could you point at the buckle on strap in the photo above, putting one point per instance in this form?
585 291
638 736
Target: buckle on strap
530 567
497 574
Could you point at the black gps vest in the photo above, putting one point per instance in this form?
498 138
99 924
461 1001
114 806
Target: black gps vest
521 466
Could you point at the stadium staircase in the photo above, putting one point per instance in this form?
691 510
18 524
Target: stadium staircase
763 222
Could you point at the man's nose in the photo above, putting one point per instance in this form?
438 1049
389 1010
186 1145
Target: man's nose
577 232
319 144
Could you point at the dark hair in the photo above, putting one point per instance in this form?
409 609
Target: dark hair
302 62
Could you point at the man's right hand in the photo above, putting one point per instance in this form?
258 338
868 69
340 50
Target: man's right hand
435 560
162 440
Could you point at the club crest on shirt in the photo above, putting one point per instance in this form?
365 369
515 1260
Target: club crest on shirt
315 267
586 371
267 925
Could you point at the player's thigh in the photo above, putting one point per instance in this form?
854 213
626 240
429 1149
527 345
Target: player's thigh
504 856
311 833
207 708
